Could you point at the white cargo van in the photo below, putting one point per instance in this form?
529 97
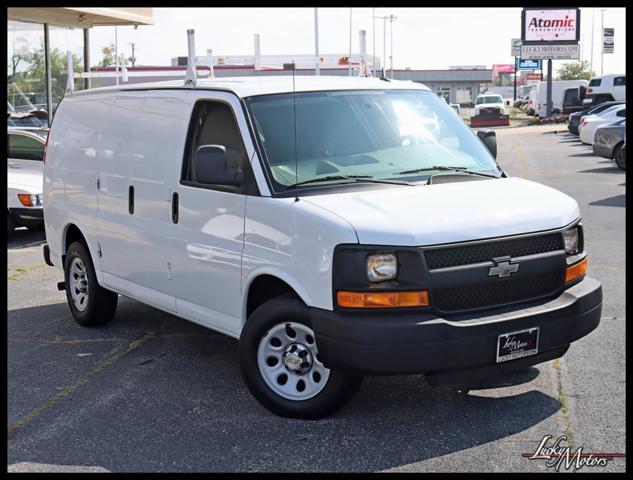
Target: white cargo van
354 227
558 95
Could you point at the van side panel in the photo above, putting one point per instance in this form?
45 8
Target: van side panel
150 156
71 171
117 149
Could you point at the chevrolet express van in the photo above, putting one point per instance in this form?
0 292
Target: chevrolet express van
338 228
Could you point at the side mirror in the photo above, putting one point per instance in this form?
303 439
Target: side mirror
209 167
489 139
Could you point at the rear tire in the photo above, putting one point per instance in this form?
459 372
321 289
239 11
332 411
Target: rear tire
307 390
90 304
619 157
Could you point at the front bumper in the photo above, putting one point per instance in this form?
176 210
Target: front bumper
28 217
457 349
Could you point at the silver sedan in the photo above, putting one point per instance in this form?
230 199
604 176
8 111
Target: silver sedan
609 142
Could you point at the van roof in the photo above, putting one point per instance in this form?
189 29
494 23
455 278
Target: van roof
265 85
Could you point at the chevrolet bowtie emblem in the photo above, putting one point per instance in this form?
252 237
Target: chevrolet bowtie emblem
503 267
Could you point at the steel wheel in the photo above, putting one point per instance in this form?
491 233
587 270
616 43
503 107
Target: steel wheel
78 284
289 363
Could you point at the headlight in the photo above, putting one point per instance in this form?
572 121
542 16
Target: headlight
382 267
571 241
30 200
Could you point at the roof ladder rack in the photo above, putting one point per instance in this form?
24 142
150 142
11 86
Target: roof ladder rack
190 78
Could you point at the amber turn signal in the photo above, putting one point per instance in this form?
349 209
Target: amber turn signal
576 270
25 199
382 299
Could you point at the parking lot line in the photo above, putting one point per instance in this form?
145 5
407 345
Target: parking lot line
68 390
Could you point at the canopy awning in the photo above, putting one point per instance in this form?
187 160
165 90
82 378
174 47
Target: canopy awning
83 17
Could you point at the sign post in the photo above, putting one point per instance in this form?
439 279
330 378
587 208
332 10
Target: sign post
516 64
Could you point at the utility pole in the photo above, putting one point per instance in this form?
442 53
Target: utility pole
391 20
602 38
116 55
317 65
593 16
133 57
350 43
373 37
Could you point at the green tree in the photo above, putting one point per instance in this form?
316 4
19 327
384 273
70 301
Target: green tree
32 79
108 56
575 71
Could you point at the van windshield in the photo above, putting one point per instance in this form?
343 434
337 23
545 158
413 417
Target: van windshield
373 134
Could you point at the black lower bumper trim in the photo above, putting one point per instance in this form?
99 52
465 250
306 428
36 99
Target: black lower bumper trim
28 217
456 348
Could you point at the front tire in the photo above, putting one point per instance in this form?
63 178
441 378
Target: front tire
619 157
281 366
90 304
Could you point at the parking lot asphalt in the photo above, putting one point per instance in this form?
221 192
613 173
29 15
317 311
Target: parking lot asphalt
152 392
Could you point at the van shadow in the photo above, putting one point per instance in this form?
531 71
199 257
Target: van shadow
178 403
24 238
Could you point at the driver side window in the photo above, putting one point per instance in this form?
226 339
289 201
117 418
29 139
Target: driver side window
213 123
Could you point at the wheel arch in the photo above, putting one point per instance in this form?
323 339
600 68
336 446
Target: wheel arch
615 148
264 285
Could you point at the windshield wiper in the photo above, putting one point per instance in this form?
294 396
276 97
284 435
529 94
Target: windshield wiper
355 178
444 167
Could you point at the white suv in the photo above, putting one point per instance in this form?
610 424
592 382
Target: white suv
345 227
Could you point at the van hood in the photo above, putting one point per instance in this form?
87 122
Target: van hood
452 212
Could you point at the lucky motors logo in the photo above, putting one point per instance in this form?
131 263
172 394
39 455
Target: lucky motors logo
551 25
558 455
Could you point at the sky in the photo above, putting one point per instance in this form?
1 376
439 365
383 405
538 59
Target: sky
423 38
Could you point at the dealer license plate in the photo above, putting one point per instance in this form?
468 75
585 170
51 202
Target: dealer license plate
523 343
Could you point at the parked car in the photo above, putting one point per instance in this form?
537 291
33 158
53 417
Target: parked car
590 123
609 142
575 118
606 88
456 107
25 155
31 119
329 227
490 103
